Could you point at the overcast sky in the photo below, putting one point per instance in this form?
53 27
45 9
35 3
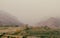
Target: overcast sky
31 11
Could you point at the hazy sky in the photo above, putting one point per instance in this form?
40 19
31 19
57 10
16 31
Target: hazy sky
31 11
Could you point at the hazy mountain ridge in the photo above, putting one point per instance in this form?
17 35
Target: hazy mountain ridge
7 19
51 22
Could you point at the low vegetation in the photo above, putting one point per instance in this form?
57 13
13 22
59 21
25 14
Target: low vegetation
38 32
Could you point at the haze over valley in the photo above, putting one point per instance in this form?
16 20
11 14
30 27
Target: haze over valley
31 11
29 18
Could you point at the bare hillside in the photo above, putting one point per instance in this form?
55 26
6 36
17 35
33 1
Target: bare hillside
7 19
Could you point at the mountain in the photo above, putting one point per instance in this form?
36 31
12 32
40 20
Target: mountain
7 19
51 22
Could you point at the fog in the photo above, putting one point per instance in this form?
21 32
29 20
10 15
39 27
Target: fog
31 11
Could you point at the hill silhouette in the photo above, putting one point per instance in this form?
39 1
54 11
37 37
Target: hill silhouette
7 19
51 22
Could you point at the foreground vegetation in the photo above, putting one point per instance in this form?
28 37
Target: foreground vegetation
37 32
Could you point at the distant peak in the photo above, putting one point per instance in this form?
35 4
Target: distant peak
51 22
52 18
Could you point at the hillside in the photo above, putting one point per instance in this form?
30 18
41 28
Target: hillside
51 22
7 19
